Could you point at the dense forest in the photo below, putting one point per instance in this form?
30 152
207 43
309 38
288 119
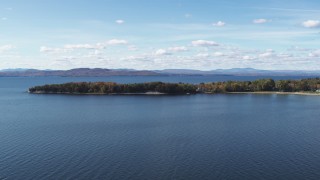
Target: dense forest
114 88
304 85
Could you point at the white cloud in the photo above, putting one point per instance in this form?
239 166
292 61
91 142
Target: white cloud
204 43
311 24
142 58
6 48
266 55
284 55
315 53
117 42
79 46
248 57
203 55
68 58
297 48
170 50
96 53
71 47
219 24
45 49
270 50
260 21
224 56
218 54
4 18
162 52
178 49
119 21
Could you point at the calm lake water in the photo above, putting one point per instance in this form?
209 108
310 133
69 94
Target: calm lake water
238 136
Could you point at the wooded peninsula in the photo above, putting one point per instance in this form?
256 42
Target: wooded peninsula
311 85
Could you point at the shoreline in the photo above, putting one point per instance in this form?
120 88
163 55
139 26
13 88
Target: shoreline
159 93
278 93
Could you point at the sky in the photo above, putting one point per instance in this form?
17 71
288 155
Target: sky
160 34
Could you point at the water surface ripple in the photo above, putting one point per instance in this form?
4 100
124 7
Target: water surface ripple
236 136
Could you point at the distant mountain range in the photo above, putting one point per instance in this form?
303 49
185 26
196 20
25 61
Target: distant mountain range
242 72
170 72
76 72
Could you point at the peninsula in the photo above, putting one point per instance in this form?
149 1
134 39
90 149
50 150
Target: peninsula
304 86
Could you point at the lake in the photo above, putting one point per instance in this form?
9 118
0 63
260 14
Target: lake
234 136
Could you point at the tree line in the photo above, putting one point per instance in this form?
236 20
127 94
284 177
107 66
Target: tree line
111 88
305 85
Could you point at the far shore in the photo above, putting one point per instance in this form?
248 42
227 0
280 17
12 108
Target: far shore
279 93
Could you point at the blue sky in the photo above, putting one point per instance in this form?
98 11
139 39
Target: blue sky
166 34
